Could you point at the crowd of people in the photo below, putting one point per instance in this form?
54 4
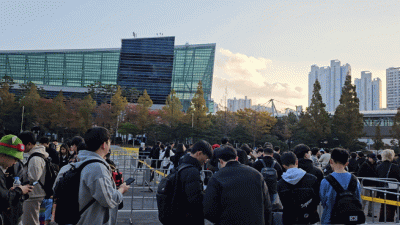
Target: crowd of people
247 186
243 191
24 185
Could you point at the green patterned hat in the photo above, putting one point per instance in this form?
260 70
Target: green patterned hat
11 145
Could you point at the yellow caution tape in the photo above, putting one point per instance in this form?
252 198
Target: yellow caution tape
380 200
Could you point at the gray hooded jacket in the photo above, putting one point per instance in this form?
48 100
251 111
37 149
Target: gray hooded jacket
97 183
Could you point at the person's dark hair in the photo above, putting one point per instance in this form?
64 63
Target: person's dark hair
44 140
204 147
158 143
68 142
179 148
339 155
95 137
81 146
1 134
268 151
288 158
260 150
353 155
27 137
314 151
327 150
246 148
361 154
168 152
277 149
77 140
301 150
224 140
268 145
379 157
162 147
227 153
66 149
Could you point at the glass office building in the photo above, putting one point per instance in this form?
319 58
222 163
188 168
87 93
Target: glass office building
154 64
193 63
146 64
68 68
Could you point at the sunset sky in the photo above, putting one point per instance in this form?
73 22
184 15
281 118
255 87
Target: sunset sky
264 48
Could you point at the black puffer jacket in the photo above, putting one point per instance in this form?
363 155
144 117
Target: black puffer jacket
306 184
368 170
268 162
190 193
307 165
237 194
383 169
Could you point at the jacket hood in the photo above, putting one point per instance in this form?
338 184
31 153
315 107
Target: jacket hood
293 175
40 149
84 155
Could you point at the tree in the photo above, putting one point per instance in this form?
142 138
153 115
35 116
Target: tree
131 94
57 112
30 103
144 119
197 112
319 126
378 143
86 110
256 123
128 128
395 131
348 121
172 111
10 115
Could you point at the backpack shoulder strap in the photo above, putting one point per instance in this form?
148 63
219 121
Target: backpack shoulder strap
33 155
80 168
273 164
335 184
352 184
262 161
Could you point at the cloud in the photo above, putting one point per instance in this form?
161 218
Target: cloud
260 90
250 76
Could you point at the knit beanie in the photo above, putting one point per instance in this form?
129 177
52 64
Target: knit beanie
11 145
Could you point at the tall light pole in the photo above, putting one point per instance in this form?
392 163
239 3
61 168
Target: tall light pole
22 119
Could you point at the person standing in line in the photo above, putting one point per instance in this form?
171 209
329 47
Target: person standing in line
339 161
189 195
324 159
388 169
353 164
36 172
11 197
368 169
237 194
314 157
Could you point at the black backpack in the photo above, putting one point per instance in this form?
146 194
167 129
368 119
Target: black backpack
301 198
166 196
51 174
270 176
347 208
66 194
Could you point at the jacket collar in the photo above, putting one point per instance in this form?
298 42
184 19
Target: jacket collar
232 164
192 161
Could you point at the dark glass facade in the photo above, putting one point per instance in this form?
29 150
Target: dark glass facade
146 63
193 63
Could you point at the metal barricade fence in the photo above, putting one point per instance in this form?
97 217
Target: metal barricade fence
386 186
147 173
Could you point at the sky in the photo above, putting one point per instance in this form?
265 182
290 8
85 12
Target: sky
264 49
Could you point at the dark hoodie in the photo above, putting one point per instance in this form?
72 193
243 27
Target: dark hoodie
308 166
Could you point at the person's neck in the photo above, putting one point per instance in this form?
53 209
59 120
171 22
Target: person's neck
339 169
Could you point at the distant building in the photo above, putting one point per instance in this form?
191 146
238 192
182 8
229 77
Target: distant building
332 80
260 108
369 92
393 87
238 104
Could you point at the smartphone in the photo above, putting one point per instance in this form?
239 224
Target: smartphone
34 183
129 181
